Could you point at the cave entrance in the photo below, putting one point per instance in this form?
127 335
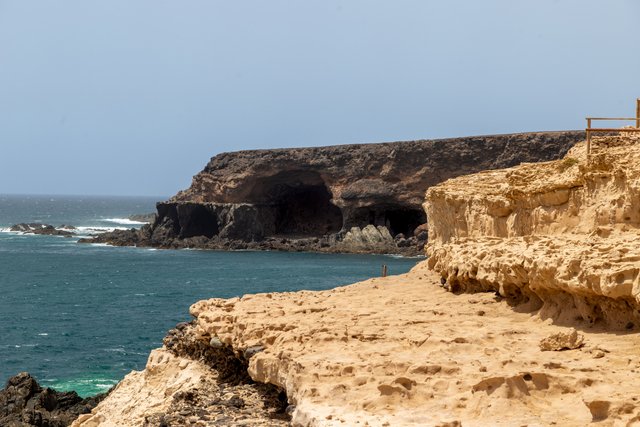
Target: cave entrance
306 211
197 220
404 220
301 204
397 219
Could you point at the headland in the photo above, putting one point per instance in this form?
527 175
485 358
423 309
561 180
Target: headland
360 198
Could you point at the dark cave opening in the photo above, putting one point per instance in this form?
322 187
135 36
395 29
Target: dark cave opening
300 202
397 219
197 220
306 210
404 220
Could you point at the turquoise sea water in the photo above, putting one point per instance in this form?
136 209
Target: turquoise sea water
80 317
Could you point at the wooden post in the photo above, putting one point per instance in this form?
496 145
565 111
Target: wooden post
638 113
384 270
588 137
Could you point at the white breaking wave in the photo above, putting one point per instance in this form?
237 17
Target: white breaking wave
124 221
97 229
15 233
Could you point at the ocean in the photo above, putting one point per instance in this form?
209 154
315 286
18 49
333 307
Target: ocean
81 316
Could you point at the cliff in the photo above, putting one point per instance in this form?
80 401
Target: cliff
348 198
559 236
438 346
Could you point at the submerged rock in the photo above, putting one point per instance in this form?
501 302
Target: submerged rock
148 217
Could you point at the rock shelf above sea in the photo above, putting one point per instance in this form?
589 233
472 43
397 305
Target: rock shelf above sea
395 351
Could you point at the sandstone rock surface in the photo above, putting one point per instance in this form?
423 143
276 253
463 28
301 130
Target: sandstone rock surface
559 236
402 351
189 382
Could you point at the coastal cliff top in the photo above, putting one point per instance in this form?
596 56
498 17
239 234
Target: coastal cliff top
398 171
576 194
608 154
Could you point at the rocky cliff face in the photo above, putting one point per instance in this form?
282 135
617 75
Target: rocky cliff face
322 198
560 236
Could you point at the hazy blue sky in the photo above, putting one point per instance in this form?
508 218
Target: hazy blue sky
133 97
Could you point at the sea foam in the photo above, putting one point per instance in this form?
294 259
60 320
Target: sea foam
124 221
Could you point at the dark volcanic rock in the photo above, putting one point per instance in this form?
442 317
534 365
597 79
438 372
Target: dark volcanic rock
43 229
316 199
24 403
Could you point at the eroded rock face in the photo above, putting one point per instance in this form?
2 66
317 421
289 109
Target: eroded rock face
190 382
291 195
560 236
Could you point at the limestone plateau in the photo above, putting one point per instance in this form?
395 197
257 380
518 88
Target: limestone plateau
347 198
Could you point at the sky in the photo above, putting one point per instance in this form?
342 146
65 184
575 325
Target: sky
132 97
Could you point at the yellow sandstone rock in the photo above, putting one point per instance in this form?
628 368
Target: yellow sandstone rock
561 236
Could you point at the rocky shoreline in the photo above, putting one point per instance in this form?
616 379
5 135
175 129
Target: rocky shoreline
369 240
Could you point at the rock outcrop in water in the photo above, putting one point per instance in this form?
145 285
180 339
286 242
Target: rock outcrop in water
24 403
323 199
42 229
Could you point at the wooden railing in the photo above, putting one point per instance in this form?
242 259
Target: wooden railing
590 129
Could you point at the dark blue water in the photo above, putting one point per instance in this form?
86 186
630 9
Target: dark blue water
82 316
